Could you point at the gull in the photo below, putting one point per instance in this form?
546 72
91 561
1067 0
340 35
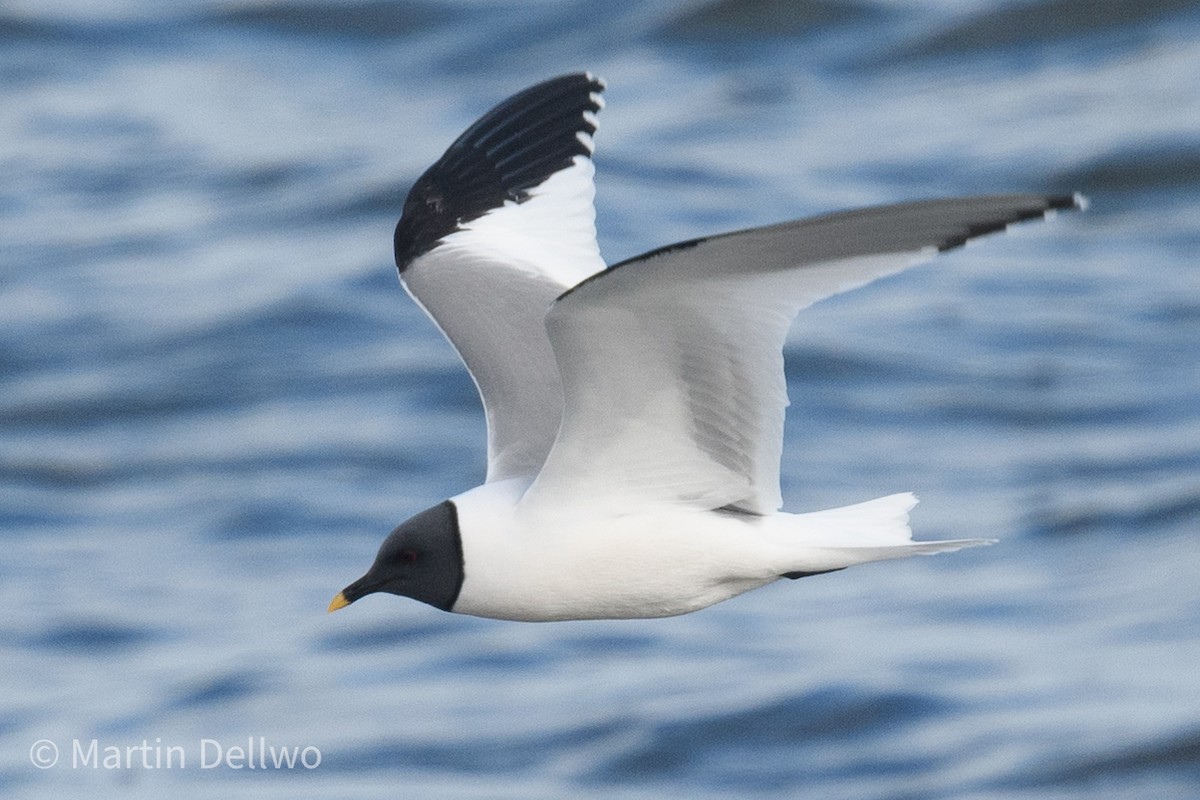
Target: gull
635 411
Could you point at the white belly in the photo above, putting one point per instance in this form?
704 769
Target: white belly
629 567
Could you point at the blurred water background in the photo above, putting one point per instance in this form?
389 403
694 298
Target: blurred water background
215 400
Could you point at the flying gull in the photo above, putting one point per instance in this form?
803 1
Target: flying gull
635 411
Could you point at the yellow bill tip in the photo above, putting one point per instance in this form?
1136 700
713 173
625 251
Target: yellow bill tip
337 602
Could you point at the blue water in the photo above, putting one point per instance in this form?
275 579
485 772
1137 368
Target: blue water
215 400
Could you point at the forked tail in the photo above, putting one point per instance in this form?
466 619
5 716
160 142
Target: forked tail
876 530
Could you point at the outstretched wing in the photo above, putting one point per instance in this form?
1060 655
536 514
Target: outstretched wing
490 235
672 362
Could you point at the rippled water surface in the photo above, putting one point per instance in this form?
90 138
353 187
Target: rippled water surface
215 400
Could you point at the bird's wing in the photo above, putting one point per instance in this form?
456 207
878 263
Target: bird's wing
672 362
490 235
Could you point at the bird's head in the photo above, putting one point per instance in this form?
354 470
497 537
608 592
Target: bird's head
421 559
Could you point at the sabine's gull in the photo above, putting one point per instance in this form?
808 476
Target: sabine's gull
635 411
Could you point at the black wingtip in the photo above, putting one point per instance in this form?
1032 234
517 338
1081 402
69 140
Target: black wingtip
1069 202
512 148
1039 210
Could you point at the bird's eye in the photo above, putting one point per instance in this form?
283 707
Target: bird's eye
408 557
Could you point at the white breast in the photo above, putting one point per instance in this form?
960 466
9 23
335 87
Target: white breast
611 567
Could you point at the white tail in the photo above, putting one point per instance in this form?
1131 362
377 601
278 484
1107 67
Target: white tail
876 530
